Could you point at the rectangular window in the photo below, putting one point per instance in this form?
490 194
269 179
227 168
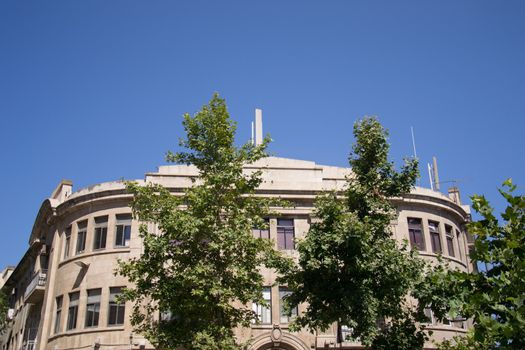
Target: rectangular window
58 314
458 236
415 233
101 232
81 237
67 243
263 312
428 315
285 234
345 333
116 309
123 230
283 293
435 239
93 307
72 312
450 240
262 232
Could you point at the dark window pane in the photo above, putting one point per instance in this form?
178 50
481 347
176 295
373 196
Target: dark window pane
72 318
119 236
67 242
415 233
435 238
127 235
450 245
285 234
116 310
100 237
284 318
72 311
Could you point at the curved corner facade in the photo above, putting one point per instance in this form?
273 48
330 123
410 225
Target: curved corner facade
65 290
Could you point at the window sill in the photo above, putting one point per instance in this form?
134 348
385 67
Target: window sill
96 252
445 257
74 332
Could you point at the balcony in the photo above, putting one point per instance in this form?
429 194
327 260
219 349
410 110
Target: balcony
35 290
29 345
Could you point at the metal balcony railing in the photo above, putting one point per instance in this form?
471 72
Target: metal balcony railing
30 345
39 280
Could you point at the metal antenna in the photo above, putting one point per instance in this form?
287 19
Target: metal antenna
415 152
430 176
413 142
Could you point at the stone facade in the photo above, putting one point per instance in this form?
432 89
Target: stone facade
64 288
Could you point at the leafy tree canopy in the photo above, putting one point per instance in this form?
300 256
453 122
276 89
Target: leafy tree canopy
4 306
351 270
493 297
202 269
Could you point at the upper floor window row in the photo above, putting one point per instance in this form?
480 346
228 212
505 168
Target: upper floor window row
417 237
96 234
285 233
115 309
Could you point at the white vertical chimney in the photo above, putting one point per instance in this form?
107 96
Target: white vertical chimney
258 127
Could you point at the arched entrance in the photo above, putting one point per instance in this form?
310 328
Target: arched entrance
277 339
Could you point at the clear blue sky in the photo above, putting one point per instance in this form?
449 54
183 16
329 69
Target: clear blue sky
93 91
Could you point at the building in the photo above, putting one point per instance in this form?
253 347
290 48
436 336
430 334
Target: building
63 291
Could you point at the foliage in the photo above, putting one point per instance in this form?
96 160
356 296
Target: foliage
494 297
202 270
351 270
4 307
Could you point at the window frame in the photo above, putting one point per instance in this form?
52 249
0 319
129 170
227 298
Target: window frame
81 237
72 310
435 237
59 300
95 303
67 242
412 229
259 232
114 304
286 231
449 236
123 220
283 317
263 310
100 229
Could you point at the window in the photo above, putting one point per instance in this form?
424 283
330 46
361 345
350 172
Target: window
93 307
450 240
344 333
58 314
458 236
433 227
123 230
283 293
263 312
262 232
415 233
67 242
81 237
116 309
285 233
429 315
72 312
101 232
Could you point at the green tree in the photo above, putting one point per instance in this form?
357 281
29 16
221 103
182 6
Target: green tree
4 306
202 270
351 270
493 297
